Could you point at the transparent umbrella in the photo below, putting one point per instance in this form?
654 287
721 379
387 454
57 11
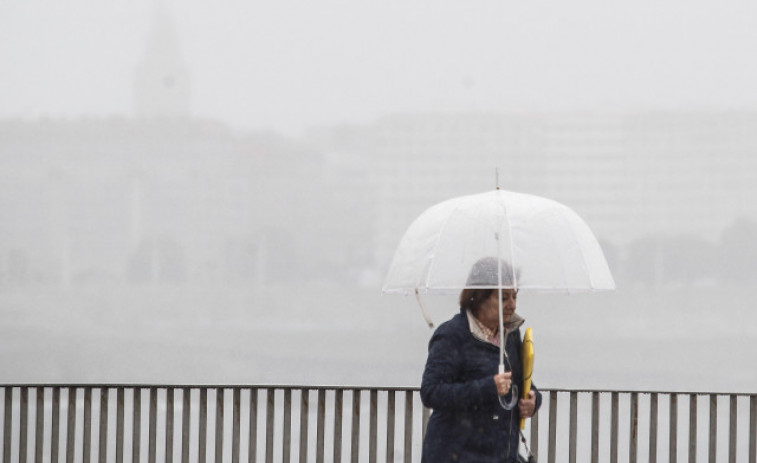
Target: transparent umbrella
548 246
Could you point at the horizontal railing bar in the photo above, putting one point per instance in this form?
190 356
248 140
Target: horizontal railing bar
300 387
345 388
628 392
222 386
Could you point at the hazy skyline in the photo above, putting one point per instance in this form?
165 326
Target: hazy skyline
287 66
290 65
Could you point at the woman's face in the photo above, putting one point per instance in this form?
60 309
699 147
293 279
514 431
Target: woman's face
487 313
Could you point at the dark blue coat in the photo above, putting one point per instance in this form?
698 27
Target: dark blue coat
468 424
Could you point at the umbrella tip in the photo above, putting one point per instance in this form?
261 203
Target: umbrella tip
496 177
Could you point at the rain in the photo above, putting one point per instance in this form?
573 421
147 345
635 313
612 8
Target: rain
211 193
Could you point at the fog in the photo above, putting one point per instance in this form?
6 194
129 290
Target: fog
294 64
205 193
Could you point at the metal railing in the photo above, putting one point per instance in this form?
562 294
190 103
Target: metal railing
191 423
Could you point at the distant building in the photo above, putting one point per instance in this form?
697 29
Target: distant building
628 175
179 200
161 79
161 202
160 198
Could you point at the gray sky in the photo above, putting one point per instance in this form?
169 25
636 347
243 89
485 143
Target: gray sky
289 64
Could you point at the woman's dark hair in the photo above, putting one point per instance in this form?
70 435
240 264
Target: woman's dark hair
471 298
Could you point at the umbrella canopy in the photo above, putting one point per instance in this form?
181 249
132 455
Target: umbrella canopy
548 246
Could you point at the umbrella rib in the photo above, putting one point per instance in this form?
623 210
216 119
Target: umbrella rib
512 248
583 258
436 245
472 217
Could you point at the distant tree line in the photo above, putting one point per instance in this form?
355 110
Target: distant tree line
278 257
684 259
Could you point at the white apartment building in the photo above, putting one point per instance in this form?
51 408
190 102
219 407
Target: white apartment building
629 175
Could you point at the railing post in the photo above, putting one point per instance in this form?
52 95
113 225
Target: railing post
103 437
673 434
55 430
408 427
338 406
70 426
220 395
614 428
534 444
595 427
732 429
390 411
286 441
753 429
169 424
39 424
304 420
119 425
633 439
426 415
186 414
355 444
136 426
321 425
23 425
153 427
692 428
202 449
552 427
236 409
373 432
713 427
653 418
270 402
7 422
86 446
573 427
252 452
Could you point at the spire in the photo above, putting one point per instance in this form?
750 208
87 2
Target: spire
161 79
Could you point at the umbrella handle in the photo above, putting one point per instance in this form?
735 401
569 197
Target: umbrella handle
508 405
513 402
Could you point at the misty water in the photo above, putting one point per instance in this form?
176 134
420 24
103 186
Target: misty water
363 338
684 339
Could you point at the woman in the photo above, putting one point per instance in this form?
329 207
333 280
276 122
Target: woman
469 423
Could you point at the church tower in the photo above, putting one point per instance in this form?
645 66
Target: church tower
161 80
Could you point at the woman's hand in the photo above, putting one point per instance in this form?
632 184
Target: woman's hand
503 382
527 406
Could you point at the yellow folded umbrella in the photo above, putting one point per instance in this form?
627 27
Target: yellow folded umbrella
527 357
